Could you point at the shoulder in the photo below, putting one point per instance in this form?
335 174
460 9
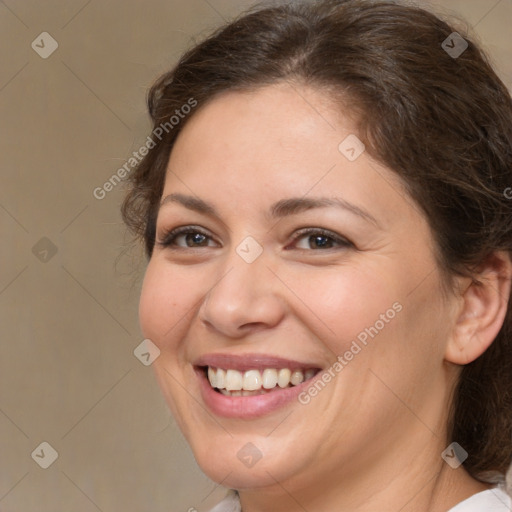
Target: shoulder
493 500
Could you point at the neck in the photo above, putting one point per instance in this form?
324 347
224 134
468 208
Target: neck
407 481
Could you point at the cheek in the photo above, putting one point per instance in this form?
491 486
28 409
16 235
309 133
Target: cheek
167 296
345 303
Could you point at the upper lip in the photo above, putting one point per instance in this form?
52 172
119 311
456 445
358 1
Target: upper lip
244 362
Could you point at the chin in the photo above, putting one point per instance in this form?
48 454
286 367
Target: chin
239 464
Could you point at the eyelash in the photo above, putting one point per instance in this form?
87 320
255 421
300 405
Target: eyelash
170 237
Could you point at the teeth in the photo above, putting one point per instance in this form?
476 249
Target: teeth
269 378
233 382
212 377
296 378
283 377
308 375
251 382
221 378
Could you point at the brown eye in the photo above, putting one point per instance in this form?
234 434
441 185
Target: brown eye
320 242
186 237
318 239
194 239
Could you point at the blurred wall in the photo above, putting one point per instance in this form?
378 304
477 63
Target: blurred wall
73 81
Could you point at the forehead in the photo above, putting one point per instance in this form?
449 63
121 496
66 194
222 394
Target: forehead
274 120
280 140
267 132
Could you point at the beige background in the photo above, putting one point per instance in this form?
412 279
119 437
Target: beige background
68 321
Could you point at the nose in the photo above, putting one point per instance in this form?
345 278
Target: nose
245 298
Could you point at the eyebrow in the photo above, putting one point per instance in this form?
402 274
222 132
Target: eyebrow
278 210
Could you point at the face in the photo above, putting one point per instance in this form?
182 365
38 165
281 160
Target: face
297 276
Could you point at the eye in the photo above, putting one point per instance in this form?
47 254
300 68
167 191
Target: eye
318 239
186 237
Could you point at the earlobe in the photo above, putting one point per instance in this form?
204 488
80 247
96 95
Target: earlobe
483 310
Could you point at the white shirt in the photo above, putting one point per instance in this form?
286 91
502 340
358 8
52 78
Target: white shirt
230 503
493 500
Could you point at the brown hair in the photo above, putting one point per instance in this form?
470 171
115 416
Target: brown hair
443 123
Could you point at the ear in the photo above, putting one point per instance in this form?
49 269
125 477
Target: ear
483 309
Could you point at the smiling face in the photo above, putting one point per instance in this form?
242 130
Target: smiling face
294 257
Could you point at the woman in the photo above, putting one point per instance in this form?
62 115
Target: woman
329 269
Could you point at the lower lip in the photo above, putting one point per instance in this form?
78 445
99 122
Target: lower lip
247 407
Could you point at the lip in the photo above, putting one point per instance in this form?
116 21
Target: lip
244 362
249 407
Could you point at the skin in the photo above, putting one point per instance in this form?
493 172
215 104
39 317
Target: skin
372 439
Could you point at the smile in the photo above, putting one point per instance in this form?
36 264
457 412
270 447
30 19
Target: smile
249 386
